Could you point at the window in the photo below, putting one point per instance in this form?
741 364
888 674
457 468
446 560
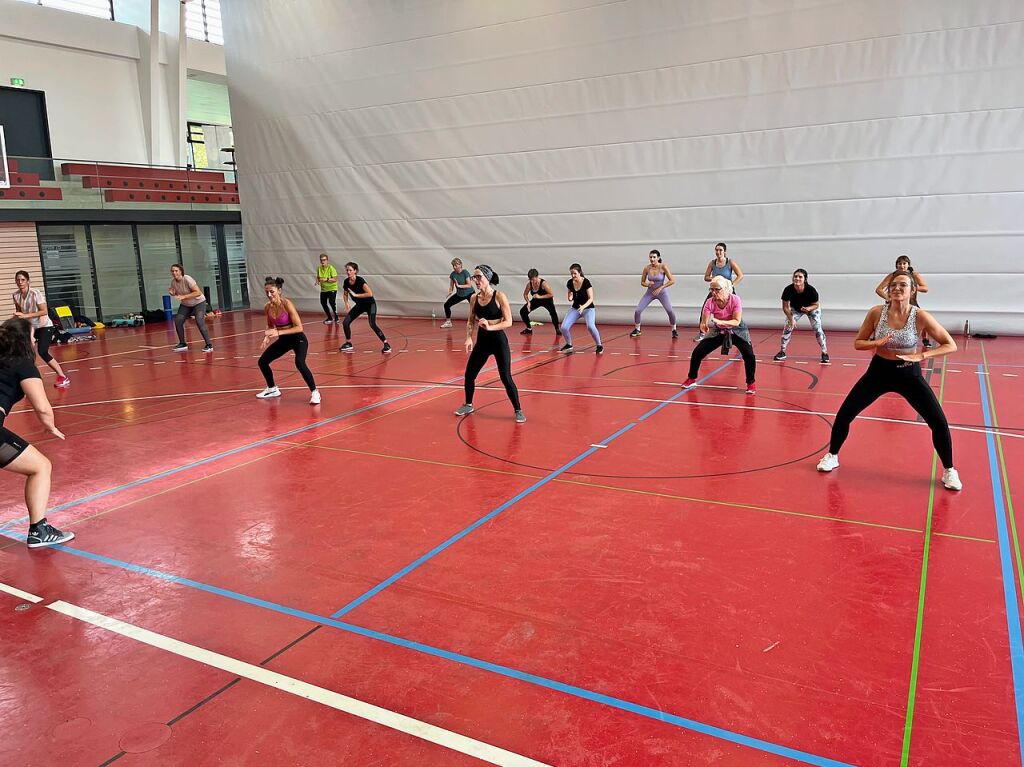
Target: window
103 9
202 21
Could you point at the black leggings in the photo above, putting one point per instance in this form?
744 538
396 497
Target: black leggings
488 343
44 337
903 378
538 303
296 342
453 299
371 315
329 297
709 344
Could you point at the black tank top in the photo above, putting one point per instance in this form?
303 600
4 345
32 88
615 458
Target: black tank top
490 311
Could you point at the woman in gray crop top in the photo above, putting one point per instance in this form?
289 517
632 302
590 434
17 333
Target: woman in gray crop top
893 332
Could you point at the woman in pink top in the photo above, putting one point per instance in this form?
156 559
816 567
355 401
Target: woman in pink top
721 324
283 334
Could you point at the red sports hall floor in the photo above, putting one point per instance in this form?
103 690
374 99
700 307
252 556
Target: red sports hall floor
636 576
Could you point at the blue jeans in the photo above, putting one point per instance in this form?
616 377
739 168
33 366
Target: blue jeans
590 315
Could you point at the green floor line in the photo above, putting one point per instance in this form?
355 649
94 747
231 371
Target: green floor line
915 664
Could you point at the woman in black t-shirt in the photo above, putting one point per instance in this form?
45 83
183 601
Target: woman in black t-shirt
355 287
581 293
798 300
19 378
490 314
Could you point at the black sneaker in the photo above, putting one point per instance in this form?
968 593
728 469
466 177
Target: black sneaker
180 348
567 349
386 349
208 348
599 350
346 347
779 357
636 333
824 358
675 333
527 332
46 534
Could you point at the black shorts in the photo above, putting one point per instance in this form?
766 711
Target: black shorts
11 445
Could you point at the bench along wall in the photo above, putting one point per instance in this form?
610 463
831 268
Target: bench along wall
826 135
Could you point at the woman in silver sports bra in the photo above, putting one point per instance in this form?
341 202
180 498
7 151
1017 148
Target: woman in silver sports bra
893 332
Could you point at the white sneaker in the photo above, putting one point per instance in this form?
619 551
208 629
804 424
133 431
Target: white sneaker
828 462
270 391
446 324
951 480
314 397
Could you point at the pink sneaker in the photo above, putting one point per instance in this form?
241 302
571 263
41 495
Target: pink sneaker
62 382
689 382
752 388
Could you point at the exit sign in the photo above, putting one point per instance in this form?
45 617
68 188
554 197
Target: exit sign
18 82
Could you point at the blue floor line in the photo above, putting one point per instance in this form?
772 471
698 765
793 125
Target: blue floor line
1013 626
467 660
511 502
235 451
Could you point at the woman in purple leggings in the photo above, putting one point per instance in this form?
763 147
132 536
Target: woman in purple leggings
657 278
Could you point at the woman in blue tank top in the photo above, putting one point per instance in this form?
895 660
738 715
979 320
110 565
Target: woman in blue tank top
893 331
720 266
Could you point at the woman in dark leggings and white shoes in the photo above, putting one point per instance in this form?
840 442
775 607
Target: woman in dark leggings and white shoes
284 334
893 332
490 314
355 287
19 378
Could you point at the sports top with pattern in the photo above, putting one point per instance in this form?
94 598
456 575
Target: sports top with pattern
29 304
904 340
579 297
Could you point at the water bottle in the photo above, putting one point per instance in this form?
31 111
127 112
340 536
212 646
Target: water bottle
433 314
967 328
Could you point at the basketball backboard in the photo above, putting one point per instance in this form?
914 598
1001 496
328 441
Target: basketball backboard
5 173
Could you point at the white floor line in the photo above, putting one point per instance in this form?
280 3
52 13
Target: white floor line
358 708
20 594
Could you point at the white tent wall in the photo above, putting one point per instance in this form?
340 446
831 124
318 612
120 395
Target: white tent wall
823 134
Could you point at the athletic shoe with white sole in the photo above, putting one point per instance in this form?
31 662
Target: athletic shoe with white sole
270 391
346 347
828 462
314 397
520 416
46 534
180 348
464 410
446 324
62 382
951 480
386 349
